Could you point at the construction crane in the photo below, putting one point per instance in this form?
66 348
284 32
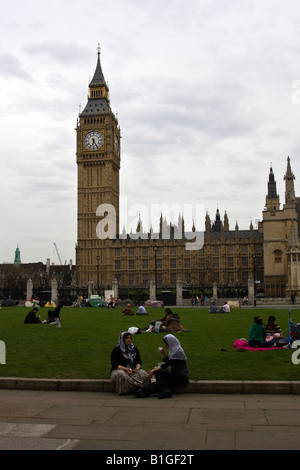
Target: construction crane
57 253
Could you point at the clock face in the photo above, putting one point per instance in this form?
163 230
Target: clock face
93 140
116 144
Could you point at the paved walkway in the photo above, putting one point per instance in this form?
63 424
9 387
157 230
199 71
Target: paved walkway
91 420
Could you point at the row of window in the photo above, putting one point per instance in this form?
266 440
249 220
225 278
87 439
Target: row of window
94 120
173 263
96 94
173 251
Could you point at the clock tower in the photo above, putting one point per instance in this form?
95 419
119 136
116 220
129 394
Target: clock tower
98 165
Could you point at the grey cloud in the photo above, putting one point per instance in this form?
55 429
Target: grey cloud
58 52
12 68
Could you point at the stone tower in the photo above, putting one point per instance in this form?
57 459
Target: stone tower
281 243
98 165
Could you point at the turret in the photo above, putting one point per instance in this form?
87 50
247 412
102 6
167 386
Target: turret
290 198
272 199
217 223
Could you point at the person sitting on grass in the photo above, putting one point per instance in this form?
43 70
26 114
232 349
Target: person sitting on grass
257 335
173 371
272 328
31 316
225 308
141 310
171 322
127 310
126 371
53 316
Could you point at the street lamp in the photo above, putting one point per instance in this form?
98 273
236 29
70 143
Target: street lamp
155 269
254 276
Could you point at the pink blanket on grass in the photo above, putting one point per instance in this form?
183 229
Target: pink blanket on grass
241 344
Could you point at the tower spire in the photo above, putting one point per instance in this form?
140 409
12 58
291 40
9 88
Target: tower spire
289 178
98 98
98 78
272 198
272 191
217 225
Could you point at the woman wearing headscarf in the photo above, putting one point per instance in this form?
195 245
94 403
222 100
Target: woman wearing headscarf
173 371
127 310
126 363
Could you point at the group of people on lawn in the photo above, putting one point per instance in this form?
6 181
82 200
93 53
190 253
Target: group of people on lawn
53 318
265 336
224 309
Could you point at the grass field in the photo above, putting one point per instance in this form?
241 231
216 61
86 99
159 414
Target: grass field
82 347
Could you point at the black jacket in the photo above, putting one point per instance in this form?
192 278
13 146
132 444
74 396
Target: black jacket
31 318
118 359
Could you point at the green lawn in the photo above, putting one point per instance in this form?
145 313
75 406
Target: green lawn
82 347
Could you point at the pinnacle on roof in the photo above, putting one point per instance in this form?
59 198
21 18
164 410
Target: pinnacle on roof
289 174
98 78
272 191
289 178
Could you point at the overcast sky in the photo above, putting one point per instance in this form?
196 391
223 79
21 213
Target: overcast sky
207 94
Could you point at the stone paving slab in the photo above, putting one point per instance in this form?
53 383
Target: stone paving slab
20 408
228 417
25 436
24 429
25 443
281 417
117 446
102 432
220 440
152 414
86 412
268 440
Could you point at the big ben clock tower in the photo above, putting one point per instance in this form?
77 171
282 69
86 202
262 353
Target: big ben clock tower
98 164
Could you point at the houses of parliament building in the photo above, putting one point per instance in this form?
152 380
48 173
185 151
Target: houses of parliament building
228 258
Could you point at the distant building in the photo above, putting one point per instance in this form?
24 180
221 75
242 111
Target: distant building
14 278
